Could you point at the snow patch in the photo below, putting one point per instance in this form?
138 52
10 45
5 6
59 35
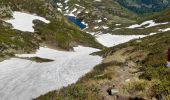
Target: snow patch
24 21
164 30
110 40
98 21
24 80
148 24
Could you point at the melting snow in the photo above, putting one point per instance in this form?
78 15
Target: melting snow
105 27
23 79
98 21
110 40
66 1
148 24
24 22
164 30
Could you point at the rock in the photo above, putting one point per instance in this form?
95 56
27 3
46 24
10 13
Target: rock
127 80
112 91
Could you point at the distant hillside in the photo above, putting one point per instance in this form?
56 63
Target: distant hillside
145 6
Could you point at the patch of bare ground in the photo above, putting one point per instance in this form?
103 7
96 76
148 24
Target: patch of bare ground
124 73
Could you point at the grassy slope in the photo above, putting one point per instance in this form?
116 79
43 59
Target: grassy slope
64 35
15 41
162 16
154 65
159 17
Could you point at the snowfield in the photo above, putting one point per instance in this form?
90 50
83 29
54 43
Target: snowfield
23 79
24 22
110 40
164 30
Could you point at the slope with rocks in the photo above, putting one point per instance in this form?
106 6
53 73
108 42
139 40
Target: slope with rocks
59 33
99 15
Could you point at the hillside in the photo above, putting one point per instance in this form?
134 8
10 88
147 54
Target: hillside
103 15
135 70
154 23
84 50
52 34
145 6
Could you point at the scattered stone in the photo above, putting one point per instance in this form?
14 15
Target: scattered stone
112 91
127 80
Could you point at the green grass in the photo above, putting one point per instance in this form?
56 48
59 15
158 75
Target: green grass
36 59
64 35
16 40
74 92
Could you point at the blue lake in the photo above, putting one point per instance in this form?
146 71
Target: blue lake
76 21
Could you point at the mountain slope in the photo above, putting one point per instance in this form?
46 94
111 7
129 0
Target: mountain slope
145 6
154 23
133 70
59 33
101 15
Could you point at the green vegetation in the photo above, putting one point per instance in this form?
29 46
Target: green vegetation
74 92
36 59
163 16
154 65
15 41
64 35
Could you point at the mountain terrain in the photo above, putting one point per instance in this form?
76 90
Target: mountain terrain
55 36
126 41
99 15
135 70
